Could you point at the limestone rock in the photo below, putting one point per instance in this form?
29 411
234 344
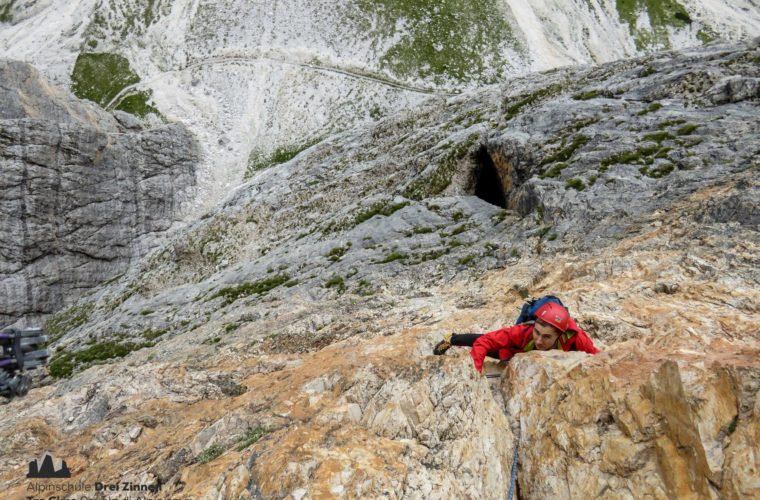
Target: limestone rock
285 337
83 197
635 422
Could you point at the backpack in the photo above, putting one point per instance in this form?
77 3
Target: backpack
529 308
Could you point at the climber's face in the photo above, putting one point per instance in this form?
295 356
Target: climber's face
545 335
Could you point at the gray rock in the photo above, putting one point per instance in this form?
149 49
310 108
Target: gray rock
668 288
167 469
228 386
742 207
148 421
82 197
135 432
388 230
127 120
440 194
734 89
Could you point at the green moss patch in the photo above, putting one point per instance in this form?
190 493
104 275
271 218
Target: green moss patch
554 171
466 260
457 40
67 320
393 256
258 161
658 137
100 77
154 333
589 94
663 153
428 256
580 124
687 129
336 282
458 230
138 104
659 171
661 13
469 118
231 294
565 153
436 182
252 436
647 70
364 288
576 184
384 208
231 327
650 109
63 364
706 35
644 154
514 107
671 123
336 253
209 454
6 16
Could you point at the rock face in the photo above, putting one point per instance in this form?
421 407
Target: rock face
251 78
560 163
279 347
631 423
83 196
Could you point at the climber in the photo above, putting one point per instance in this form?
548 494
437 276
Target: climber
553 329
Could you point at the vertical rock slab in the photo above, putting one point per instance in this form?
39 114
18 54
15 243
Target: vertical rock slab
636 422
81 196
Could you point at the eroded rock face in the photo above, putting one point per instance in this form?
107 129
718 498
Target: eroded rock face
82 196
417 432
586 157
666 420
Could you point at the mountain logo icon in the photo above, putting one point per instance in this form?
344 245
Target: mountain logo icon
48 467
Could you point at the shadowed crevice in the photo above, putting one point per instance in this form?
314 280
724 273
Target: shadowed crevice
488 183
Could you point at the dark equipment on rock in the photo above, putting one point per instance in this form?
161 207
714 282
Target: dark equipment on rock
20 352
531 306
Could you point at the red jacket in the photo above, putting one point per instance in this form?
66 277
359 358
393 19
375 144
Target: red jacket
519 338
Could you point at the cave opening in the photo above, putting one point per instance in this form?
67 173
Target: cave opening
488 184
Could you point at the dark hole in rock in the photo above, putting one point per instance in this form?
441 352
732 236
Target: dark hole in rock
488 185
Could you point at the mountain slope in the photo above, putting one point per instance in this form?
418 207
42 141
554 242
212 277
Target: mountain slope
252 78
280 345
